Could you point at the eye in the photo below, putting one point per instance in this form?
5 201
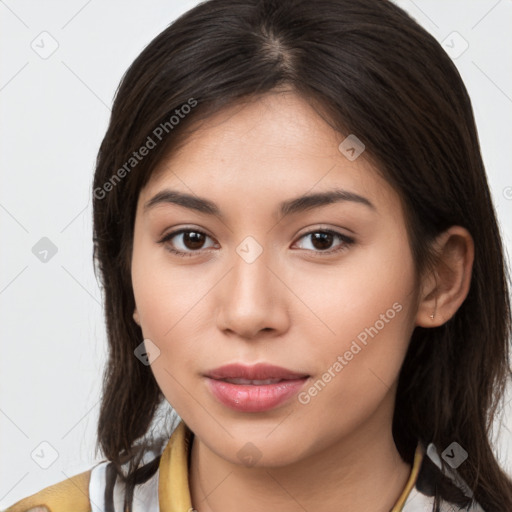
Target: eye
188 241
322 240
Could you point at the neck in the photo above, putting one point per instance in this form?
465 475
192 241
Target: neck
359 472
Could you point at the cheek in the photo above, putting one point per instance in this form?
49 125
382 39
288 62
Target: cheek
164 294
368 287
365 328
167 298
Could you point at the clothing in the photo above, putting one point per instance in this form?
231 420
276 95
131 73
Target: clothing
168 489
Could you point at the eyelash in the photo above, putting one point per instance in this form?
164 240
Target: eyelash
347 241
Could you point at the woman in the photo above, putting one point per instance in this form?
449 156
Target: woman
300 255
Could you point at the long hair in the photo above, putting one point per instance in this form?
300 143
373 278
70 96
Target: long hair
369 69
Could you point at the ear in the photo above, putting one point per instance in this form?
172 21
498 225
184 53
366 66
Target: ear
446 286
136 316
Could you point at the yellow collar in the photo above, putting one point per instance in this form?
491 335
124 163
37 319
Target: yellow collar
418 458
173 488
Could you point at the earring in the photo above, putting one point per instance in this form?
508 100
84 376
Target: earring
434 313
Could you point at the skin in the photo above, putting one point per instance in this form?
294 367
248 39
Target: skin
295 306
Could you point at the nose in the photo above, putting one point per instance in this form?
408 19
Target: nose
252 300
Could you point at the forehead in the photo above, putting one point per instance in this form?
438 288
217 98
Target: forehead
276 145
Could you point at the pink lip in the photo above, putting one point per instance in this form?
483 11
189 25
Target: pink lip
250 397
260 371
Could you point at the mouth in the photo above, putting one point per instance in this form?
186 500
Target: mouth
254 373
255 388
253 382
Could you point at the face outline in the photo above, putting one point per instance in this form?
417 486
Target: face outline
215 308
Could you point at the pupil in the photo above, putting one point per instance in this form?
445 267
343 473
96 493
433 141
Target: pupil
193 240
322 240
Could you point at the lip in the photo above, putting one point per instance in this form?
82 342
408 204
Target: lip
260 371
254 397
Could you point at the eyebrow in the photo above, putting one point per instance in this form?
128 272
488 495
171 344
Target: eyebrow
288 207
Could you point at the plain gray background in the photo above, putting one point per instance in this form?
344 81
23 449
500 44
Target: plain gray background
60 65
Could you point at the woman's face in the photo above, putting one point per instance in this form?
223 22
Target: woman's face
324 288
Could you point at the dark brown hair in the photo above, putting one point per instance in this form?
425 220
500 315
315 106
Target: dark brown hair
372 71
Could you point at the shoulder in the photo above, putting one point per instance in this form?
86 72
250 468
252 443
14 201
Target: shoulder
97 489
70 494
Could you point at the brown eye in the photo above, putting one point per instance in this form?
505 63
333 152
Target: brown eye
185 242
193 239
322 241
